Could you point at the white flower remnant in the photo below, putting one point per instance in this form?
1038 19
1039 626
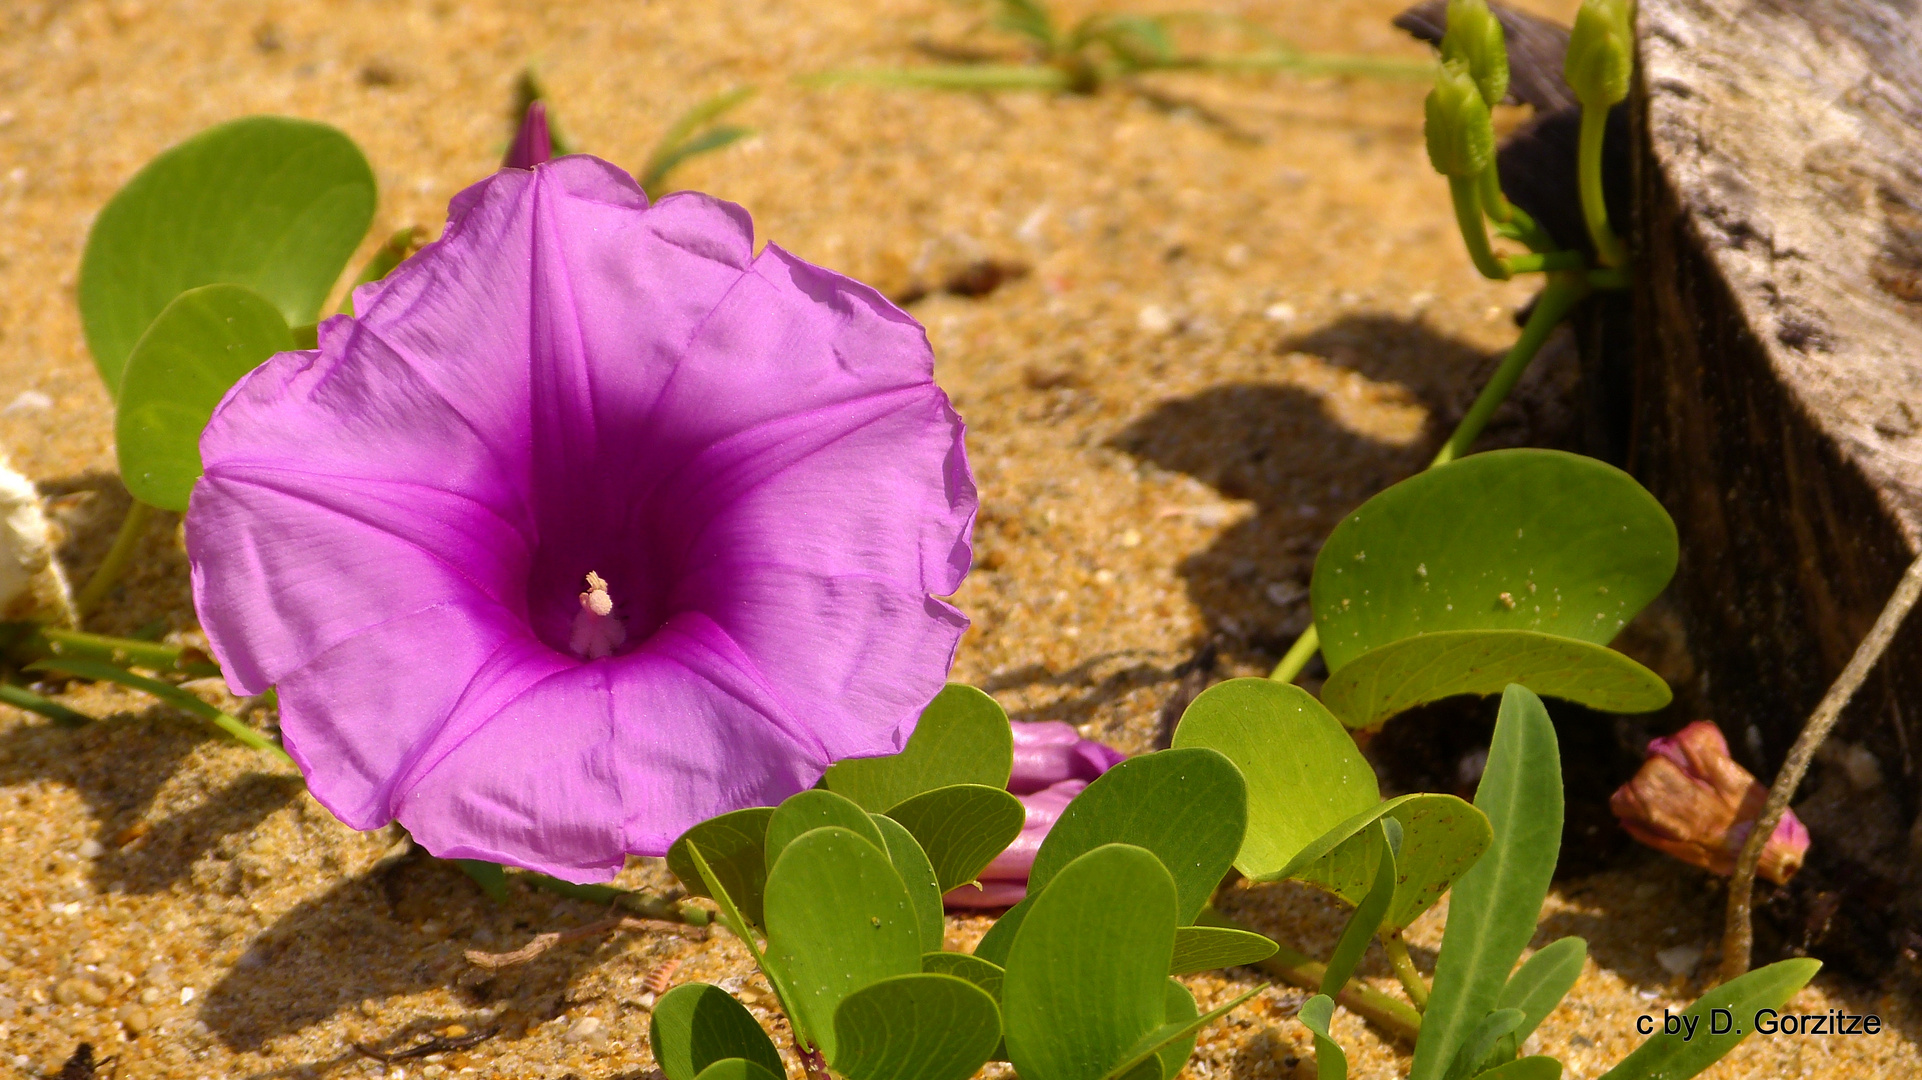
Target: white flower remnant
32 584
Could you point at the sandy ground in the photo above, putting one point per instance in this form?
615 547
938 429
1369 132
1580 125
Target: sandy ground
1246 312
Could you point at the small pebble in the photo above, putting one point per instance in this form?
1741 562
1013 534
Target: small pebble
587 1029
91 849
1679 960
150 996
186 994
1281 313
135 1019
1154 319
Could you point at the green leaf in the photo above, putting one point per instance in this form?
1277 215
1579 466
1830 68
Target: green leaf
962 828
1315 1014
1539 1067
1492 1029
962 737
192 354
980 972
813 809
491 877
739 1069
915 1027
1085 976
680 142
924 892
1174 1040
734 846
1442 836
1189 807
695 1025
1406 673
1367 915
1675 1057
1180 1010
838 919
994 945
735 922
1541 983
1492 914
1208 948
275 204
1303 771
1578 546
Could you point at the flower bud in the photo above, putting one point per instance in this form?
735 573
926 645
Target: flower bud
1691 800
1461 137
533 144
1474 37
1005 880
1601 52
1048 752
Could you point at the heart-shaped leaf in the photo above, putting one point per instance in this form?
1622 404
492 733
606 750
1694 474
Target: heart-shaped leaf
191 355
1679 1056
1315 1014
734 846
962 737
1493 912
1207 948
915 1027
838 919
815 809
272 203
962 828
1398 676
695 1025
924 892
1304 773
739 1069
1536 540
980 972
1189 807
1442 836
1087 973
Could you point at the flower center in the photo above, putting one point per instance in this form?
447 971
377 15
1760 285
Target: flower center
597 630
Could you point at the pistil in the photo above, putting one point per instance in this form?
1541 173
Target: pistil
597 630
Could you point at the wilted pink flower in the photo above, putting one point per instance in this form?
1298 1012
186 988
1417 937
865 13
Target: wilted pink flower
1691 800
533 143
590 526
1052 764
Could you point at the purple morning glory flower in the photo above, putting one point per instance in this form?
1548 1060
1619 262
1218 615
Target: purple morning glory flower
591 525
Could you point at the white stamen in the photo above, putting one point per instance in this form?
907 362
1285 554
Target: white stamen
597 632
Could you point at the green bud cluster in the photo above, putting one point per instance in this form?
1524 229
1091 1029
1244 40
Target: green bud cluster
1601 52
1460 134
1474 37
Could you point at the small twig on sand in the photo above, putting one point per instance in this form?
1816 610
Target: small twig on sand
613 924
1738 937
439 1044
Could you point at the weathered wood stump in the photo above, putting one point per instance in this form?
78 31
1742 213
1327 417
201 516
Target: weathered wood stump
1777 408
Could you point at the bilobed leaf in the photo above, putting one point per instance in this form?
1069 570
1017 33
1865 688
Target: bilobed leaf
195 350
962 828
272 203
1304 773
806 811
1086 975
1398 676
1575 545
924 892
695 1025
980 972
1541 983
838 919
1493 911
734 845
963 737
1367 915
1442 836
1188 807
1315 1014
915 1027
994 945
1673 1057
1207 948
738 1069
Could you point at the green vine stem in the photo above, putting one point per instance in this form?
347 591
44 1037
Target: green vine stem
101 671
1738 934
45 641
1467 196
22 698
131 528
640 903
1295 968
1565 290
1608 247
1405 970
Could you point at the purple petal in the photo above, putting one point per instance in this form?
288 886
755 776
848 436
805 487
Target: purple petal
751 451
532 143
